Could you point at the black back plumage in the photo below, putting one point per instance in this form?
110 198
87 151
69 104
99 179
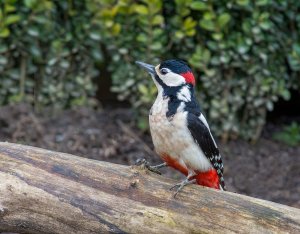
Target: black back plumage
203 138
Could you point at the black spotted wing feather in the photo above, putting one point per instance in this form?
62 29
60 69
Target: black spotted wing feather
202 136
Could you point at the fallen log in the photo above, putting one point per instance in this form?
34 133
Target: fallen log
49 192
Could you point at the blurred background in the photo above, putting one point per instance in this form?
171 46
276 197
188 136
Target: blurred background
68 81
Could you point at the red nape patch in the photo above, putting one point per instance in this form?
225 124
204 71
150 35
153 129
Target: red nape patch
189 77
175 164
208 179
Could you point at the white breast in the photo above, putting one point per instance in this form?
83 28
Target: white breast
172 137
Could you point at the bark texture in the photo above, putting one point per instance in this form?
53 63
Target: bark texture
49 192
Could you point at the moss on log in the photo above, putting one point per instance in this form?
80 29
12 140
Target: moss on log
49 192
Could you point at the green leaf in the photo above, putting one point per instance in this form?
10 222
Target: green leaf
4 32
9 8
223 19
290 134
95 36
243 48
242 2
157 20
296 48
270 105
143 123
116 29
265 25
141 9
190 32
3 60
189 23
286 94
261 2
156 46
34 51
207 24
179 34
143 89
198 5
11 19
142 37
34 32
30 3
209 15
217 36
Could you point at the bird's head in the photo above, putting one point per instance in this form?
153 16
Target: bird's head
170 74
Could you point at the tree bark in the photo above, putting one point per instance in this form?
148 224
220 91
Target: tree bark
49 192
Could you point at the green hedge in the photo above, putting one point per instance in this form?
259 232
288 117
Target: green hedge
245 54
47 53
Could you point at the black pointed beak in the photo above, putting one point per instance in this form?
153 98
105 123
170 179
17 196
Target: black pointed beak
148 67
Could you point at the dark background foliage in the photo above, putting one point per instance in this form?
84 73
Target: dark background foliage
245 54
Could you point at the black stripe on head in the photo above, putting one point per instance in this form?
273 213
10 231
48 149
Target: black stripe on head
176 66
159 81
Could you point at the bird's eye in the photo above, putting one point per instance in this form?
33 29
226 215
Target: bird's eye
164 71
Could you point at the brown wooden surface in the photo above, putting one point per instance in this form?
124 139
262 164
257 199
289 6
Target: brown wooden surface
49 192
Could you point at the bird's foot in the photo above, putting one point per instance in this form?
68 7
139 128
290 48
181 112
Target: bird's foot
144 163
180 185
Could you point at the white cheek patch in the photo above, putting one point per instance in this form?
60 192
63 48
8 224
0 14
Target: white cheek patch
172 79
184 94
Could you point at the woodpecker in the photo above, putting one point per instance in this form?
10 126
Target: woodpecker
179 130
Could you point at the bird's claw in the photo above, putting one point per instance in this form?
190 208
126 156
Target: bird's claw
141 162
145 164
177 191
153 169
181 185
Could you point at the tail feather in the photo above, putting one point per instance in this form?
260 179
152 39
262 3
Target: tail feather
222 183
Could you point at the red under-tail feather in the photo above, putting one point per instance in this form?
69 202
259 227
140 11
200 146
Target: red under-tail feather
209 179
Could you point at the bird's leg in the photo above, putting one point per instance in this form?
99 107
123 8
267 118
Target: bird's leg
143 162
185 182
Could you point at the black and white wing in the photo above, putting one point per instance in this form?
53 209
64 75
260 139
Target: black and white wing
203 137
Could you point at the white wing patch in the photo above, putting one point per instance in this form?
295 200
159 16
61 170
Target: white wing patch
202 118
184 94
